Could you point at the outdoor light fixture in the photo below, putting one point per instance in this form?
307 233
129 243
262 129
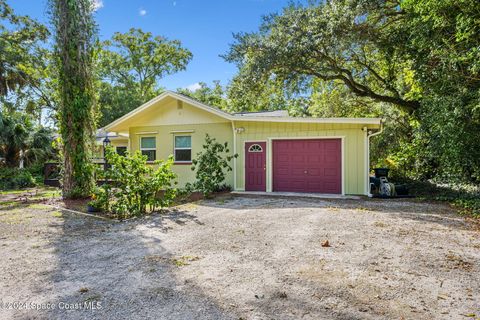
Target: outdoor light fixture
240 130
106 143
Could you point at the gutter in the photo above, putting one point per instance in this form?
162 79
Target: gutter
368 155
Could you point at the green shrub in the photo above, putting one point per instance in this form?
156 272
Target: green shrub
133 185
210 165
13 178
464 196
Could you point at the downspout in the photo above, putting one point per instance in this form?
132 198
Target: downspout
368 155
234 159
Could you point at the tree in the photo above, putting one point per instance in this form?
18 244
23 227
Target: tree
213 96
75 35
347 41
18 34
131 65
24 63
444 46
23 143
421 57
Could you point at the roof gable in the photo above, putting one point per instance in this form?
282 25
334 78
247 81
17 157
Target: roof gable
161 106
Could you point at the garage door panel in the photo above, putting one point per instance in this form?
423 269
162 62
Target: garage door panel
330 158
312 165
283 171
330 172
297 172
289 185
314 159
283 158
331 144
330 187
314 185
297 158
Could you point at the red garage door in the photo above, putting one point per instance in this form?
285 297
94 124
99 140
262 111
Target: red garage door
310 165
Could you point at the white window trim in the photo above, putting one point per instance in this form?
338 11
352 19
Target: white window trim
175 149
149 149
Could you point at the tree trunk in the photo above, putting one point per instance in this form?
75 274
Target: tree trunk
75 37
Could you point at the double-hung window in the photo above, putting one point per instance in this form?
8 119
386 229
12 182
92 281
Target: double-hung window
148 146
183 149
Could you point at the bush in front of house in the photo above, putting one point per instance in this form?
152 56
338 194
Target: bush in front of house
132 186
211 165
14 178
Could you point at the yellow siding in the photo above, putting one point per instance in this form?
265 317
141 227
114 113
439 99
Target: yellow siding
169 114
164 137
354 148
169 111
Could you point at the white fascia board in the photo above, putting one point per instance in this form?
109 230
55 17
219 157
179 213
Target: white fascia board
374 121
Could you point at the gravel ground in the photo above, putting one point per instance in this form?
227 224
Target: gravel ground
243 258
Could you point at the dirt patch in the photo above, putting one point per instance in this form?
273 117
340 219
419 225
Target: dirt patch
244 258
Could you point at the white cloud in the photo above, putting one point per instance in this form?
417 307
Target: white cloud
142 12
97 4
194 86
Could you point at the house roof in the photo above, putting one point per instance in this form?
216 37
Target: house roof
101 134
265 116
275 113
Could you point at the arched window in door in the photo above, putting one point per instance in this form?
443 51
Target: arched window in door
255 148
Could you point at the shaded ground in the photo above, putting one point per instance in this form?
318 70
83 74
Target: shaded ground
244 258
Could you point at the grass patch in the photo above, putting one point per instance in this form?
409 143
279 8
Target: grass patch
14 191
184 260
14 219
34 193
178 262
38 206
57 214
8 203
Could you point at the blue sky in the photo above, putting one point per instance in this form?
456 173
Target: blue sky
205 27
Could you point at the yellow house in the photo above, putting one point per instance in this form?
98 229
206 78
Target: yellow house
275 152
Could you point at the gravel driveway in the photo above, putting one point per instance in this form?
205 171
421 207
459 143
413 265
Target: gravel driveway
243 258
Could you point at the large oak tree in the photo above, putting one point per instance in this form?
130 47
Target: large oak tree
418 57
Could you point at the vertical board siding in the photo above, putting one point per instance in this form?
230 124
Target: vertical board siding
222 132
354 147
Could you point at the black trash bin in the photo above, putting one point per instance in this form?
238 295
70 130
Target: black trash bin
381 172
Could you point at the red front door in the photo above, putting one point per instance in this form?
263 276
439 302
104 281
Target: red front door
310 165
255 166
